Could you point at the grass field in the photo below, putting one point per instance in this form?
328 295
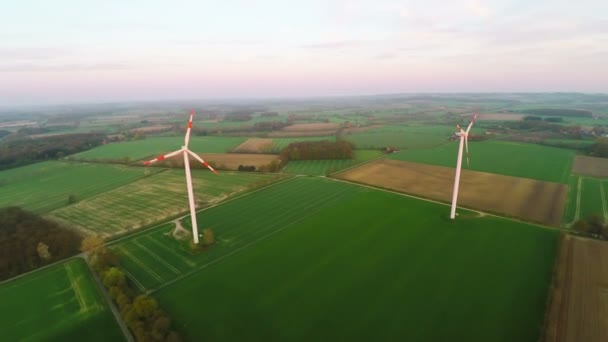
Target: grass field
311 259
587 196
507 158
153 199
59 303
138 149
322 167
46 186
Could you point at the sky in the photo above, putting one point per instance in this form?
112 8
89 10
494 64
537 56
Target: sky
61 51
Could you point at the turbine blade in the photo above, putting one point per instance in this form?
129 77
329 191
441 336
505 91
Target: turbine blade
202 161
188 128
163 157
459 128
472 121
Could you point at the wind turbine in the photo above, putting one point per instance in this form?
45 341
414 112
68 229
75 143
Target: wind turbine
185 151
464 139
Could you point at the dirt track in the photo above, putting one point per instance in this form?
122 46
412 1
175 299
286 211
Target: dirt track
578 309
528 199
590 166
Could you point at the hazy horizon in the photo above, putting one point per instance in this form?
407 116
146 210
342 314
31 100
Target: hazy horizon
67 52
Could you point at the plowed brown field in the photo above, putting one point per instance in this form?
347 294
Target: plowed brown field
590 166
528 199
578 309
226 161
254 145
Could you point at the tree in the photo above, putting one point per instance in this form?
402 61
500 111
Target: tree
144 306
114 277
92 244
43 251
208 237
72 199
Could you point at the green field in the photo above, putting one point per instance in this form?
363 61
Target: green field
402 137
312 259
507 158
587 196
153 199
59 303
138 149
46 186
322 167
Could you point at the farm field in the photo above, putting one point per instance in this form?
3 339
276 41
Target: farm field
139 149
281 143
322 167
46 186
529 199
402 137
587 196
153 199
577 310
590 166
59 303
507 158
321 264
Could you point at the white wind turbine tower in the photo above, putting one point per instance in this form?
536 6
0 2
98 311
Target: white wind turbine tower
185 151
464 139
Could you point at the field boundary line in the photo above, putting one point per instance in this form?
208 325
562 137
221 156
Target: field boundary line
448 204
604 207
155 256
137 283
357 165
76 288
140 263
181 257
577 211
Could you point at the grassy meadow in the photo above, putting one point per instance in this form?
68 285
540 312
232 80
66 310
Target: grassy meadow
507 158
46 186
58 303
321 264
322 167
587 196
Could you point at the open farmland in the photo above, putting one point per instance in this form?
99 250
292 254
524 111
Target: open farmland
139 149
323 167
153 199
402 137
321 264
507 158
254 145
281 143
578 307
529 199
58 303
305 127
46 186
587 196
590 166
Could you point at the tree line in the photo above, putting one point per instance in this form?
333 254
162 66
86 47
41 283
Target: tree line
140 312
28 241
317 150
593 226
18 152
